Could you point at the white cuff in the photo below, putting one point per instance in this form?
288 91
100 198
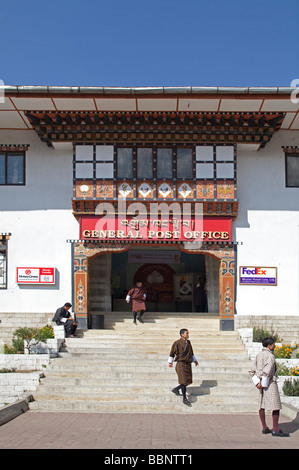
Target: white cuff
170 360
194 359
255 380
265 381
128 297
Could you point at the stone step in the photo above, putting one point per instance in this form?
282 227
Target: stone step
116 364
114 352
148 378
143 407
145 397
149 339
134 393
112 358
130 336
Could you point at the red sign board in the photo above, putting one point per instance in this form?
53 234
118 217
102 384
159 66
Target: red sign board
36 276
145 228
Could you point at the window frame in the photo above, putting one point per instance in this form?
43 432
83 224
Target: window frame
8 154
287 155
3 243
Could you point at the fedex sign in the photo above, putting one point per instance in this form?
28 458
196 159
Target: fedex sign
258 276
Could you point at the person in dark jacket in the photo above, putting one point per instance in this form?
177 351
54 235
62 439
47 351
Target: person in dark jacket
200 295
63 317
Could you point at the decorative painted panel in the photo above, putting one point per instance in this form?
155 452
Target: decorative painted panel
145 189
227 290
204 190
185 190
104 189
165 190
225 190
84 188
125 189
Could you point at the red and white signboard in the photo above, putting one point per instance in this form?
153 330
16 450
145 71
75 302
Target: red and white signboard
146 228
36 276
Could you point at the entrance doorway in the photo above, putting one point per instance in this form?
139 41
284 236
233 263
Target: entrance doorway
170 276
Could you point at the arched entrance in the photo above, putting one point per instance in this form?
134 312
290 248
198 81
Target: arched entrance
84 271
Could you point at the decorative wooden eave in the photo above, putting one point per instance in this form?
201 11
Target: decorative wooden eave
155 127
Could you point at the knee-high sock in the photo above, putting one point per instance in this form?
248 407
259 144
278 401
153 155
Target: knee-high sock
275 418
184 388
263 418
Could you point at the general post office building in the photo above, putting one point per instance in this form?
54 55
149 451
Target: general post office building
102 186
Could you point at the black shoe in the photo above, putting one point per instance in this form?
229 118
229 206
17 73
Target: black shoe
186 402
280 433
175 391
266 431
140 319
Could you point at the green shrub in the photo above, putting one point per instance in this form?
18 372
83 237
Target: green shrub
291 388
260 333
31 335
282 370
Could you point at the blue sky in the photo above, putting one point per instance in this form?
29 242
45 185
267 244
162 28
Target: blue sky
156 43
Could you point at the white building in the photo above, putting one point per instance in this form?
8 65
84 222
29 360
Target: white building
64 150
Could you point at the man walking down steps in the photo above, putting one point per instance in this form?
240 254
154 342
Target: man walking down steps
182 352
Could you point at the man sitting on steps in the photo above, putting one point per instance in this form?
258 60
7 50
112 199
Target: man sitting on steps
63 317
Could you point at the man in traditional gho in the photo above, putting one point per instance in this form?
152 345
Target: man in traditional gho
63 317
138 295
264 378
182 352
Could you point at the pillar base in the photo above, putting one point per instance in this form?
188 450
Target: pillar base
227 324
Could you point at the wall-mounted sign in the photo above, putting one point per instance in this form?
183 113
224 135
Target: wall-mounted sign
36 276
257 276
147 228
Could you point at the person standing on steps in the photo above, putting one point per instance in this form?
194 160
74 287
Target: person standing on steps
138 295
182 352
264 377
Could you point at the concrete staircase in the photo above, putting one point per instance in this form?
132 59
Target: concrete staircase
124 368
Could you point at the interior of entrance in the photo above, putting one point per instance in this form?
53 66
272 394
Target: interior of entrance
170 276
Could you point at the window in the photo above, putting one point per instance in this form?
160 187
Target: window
124 163
104 161
164 163
292 170
215 162
94 161
137 162
144 163
3 263
12 168
184 163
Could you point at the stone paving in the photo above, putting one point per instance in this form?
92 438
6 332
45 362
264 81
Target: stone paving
38 430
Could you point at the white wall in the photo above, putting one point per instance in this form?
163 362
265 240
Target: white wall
268 226
39 216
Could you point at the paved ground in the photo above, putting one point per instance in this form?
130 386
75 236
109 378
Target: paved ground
37 430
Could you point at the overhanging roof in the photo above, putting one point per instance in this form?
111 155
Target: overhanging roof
270 102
